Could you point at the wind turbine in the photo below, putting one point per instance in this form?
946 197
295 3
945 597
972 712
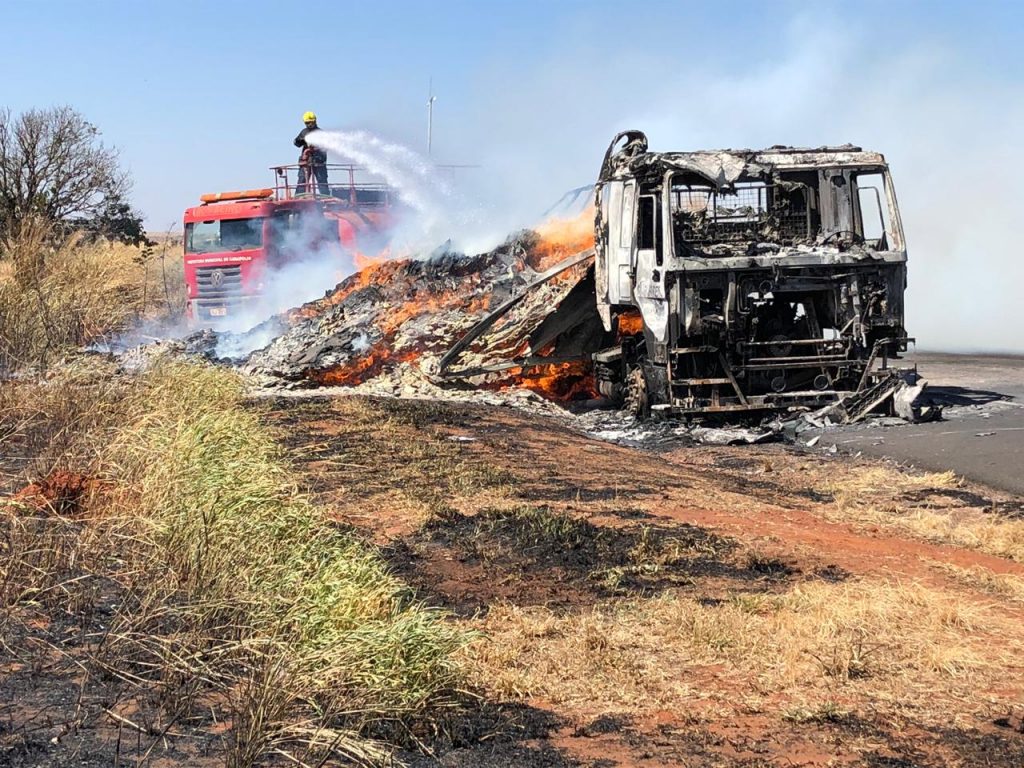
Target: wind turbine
430 115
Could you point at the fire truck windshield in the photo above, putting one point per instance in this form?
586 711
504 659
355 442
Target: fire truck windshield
223 235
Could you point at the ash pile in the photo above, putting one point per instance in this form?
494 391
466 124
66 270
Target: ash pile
384 329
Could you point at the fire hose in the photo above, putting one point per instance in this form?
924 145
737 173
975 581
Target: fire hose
490 319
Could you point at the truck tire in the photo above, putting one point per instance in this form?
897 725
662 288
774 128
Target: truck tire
637 400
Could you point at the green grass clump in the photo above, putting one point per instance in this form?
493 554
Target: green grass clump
254 560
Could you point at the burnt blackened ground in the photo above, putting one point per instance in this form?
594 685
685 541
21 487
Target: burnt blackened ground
1007 507
533 556
528 737
549 540
818 738
537 556
495 736
60 710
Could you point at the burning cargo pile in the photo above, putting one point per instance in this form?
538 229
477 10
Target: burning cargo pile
385 329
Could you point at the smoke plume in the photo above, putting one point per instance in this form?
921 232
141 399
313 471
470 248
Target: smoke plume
950 132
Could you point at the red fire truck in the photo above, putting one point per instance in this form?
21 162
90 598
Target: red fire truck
235 241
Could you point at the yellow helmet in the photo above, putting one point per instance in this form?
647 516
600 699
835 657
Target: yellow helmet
309 117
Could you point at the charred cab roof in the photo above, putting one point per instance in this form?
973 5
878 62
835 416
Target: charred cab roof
724 166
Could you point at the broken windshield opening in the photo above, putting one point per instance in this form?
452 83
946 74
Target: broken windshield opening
706 219
874 211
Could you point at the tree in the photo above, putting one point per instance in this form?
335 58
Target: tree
117 220
54 166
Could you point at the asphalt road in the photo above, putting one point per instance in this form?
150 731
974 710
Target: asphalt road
982 434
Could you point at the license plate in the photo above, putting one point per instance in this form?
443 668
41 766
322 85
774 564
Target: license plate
218 312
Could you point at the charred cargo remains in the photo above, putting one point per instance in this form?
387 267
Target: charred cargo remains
745 280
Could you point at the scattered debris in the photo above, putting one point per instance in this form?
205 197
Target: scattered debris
908 404
620 427
856 407
400 316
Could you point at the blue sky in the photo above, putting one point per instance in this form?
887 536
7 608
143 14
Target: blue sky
204 96
200 94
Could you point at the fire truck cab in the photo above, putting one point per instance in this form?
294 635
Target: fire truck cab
234 242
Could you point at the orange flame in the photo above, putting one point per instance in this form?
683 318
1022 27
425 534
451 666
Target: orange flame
375 274
630 324
560 382
364 368
363 261
435 297
561 238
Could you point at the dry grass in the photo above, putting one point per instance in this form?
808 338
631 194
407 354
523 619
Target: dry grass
426 474
870 640
59 422
56 297
814 652
876 495
234 591
1003 585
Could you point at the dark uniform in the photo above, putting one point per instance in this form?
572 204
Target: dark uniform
315 159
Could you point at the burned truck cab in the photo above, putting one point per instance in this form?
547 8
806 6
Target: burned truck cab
746 280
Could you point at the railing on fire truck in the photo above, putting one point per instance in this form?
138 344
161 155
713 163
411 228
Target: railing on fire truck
344 183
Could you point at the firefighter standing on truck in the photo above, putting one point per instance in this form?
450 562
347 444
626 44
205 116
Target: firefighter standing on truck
312 161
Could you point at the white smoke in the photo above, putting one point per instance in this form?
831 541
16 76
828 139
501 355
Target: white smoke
399 166
434 212
313 266
429 215
250 325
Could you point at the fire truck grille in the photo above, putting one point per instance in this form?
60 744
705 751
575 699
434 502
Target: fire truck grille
219 282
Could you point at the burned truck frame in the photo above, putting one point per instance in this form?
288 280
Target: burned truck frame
745 280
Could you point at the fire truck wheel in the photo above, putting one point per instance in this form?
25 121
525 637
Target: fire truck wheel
638 403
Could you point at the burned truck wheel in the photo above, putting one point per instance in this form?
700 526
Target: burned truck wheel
609 382
637 400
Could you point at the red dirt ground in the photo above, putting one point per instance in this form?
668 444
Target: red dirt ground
60 492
